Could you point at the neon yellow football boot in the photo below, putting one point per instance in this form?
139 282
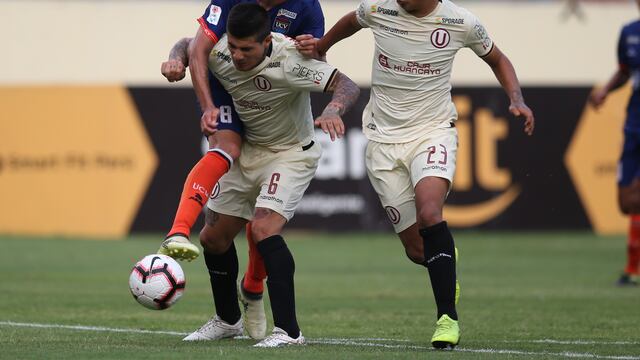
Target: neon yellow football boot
179 247
447 333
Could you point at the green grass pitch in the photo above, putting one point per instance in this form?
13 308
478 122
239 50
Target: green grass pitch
524 296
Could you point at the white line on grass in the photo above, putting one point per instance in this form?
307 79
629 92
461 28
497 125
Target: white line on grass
360 342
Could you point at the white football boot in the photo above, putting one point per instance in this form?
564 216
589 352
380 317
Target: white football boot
253 316
280 338
179 247
215 329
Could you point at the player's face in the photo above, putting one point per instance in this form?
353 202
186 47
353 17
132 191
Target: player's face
247 53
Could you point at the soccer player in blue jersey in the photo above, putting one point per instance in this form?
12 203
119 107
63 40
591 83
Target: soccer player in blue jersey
224 130
629 165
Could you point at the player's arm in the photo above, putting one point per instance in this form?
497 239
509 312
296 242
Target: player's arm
345 93
506 75
174 69
619 78
199 49
312 30
345 27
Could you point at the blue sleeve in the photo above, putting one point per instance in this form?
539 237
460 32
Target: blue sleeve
228 118
622 48
214 19
314 21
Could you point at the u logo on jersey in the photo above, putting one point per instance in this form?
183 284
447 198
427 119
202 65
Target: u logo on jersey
440 38
262 83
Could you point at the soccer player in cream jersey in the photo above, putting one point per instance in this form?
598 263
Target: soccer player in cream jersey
269 82
299 18
409 122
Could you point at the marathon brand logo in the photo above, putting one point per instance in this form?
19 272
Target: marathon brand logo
226 78
304 72
271 198
393 30
383 11
253 105
287 13
450 21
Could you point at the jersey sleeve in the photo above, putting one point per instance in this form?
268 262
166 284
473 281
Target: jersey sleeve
623 60
313 21
307 74
478 38
363 13
214 20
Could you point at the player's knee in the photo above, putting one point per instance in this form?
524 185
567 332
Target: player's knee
214 244
415 255
430 214
261 229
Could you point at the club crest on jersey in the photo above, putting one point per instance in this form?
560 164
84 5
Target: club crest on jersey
214 14
262 83
281 25
393 214
440 38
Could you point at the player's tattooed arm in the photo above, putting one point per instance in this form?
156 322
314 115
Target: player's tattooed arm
174 69
506 75
345 94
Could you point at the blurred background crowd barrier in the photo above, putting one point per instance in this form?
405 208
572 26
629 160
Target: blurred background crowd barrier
94 141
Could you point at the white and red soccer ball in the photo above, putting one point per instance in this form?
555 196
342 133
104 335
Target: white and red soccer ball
157 281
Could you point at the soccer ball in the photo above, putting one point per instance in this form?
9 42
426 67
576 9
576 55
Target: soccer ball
157 282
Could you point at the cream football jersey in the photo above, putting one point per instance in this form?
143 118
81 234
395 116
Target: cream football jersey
272 99
413 57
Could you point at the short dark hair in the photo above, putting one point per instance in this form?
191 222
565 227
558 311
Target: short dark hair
247 20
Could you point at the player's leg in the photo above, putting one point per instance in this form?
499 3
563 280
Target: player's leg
222 264
432 171
285 180
414 249
253 280
631 271
629 202
224 149
250 291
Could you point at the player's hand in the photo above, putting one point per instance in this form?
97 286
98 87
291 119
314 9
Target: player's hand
209 120
597 98
173 70
520 109
307 46
331 123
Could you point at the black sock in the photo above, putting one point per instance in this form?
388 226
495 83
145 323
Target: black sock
439 255
223 272
280 267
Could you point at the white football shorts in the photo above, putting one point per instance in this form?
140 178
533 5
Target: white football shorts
395 169
266 179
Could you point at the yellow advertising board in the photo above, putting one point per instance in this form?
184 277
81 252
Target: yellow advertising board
74 161
592 160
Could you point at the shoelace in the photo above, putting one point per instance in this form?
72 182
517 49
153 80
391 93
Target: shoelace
209 324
